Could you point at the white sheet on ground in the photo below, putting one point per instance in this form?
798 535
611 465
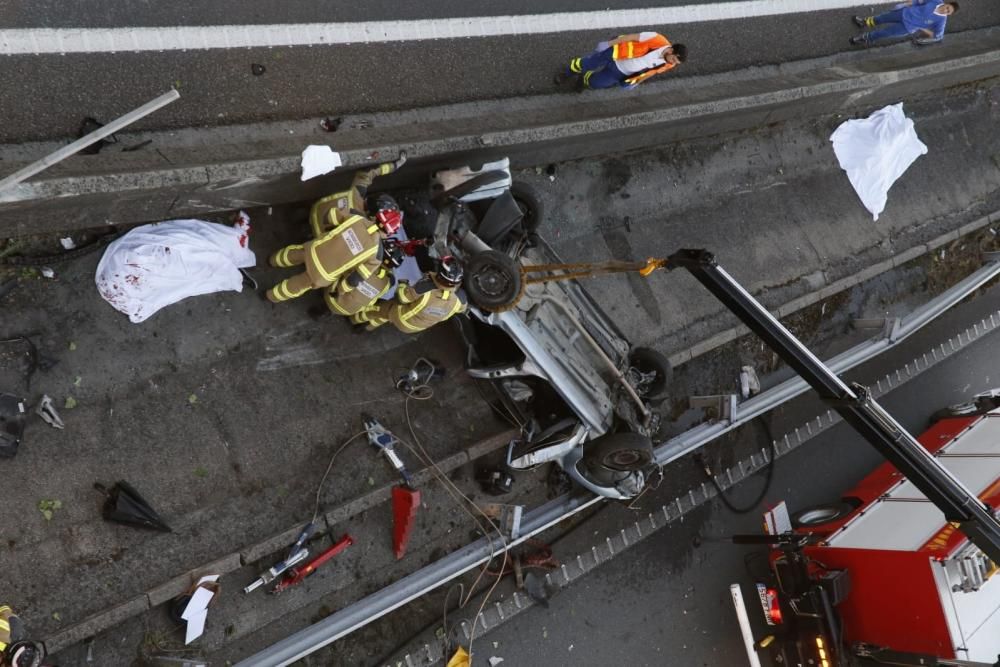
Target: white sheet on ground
156 265
875 151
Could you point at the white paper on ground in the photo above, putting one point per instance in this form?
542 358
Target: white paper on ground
198 603
156 265
210 577
319 160
195 626
875 151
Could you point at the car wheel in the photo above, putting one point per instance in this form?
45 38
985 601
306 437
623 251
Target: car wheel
819 515
619 451
492 281
530 205
646 361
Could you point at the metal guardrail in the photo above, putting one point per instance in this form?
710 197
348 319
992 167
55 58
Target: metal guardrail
376 605
900 329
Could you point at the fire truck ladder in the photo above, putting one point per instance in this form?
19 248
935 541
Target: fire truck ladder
855 405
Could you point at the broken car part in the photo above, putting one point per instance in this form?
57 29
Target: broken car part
12 420
48 413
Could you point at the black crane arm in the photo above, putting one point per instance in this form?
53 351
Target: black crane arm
972 516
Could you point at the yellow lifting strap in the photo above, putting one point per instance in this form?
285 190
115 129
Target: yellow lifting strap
551 272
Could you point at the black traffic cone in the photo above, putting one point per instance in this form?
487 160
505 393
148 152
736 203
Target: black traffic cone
123 504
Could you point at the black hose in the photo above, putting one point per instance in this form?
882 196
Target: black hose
751 506
69 255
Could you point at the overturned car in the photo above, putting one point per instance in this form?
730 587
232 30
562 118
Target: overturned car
581 394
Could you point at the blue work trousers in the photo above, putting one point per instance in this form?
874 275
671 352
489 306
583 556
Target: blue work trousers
598 69
892 27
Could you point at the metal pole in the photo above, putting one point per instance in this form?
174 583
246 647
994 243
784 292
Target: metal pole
92 138
744 622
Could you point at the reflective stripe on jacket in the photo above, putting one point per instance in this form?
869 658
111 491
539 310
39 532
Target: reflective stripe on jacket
335 209
356 292
415 311
338 251
5 635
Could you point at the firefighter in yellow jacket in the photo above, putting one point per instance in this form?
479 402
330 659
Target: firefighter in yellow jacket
354 243
332 210
625 61
360 289
15 650
429 302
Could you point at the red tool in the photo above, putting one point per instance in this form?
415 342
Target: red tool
297 575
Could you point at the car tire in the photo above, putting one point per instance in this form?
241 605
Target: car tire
819 515
530 204
648 360
492 281
622 452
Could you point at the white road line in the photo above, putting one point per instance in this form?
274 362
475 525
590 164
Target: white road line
116 40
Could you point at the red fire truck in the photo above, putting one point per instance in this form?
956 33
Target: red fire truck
883 572
903 570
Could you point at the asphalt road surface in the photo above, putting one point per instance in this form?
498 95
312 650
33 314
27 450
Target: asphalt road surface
666 601
47 96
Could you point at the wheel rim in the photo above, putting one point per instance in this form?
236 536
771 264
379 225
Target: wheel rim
819 515
624 459
492 282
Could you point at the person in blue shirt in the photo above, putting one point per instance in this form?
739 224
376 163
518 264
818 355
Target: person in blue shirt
924 20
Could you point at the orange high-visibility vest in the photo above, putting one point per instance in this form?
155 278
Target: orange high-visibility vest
636 49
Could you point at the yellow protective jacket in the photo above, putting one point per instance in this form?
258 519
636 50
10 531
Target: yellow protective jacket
360 289
334 209
356 241
636 49
424 305
8 627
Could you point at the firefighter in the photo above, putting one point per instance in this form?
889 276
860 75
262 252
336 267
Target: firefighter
430 301
334 209
15 650
360 289
356 241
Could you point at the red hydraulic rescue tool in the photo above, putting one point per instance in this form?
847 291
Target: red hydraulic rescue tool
297 575
405 499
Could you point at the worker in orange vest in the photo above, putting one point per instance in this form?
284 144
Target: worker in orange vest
428 302
355 242
625 61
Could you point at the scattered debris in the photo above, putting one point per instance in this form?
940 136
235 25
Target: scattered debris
124 505
507 518
495 660
319 160
12 421
460 659
48 413
72 346
48 508
257 69
70 403
196 608
67 243
330 124
495 480
192 399
749 382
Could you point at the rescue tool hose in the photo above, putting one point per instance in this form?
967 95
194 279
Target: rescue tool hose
703 464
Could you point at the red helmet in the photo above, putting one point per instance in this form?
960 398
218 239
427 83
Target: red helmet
389 220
